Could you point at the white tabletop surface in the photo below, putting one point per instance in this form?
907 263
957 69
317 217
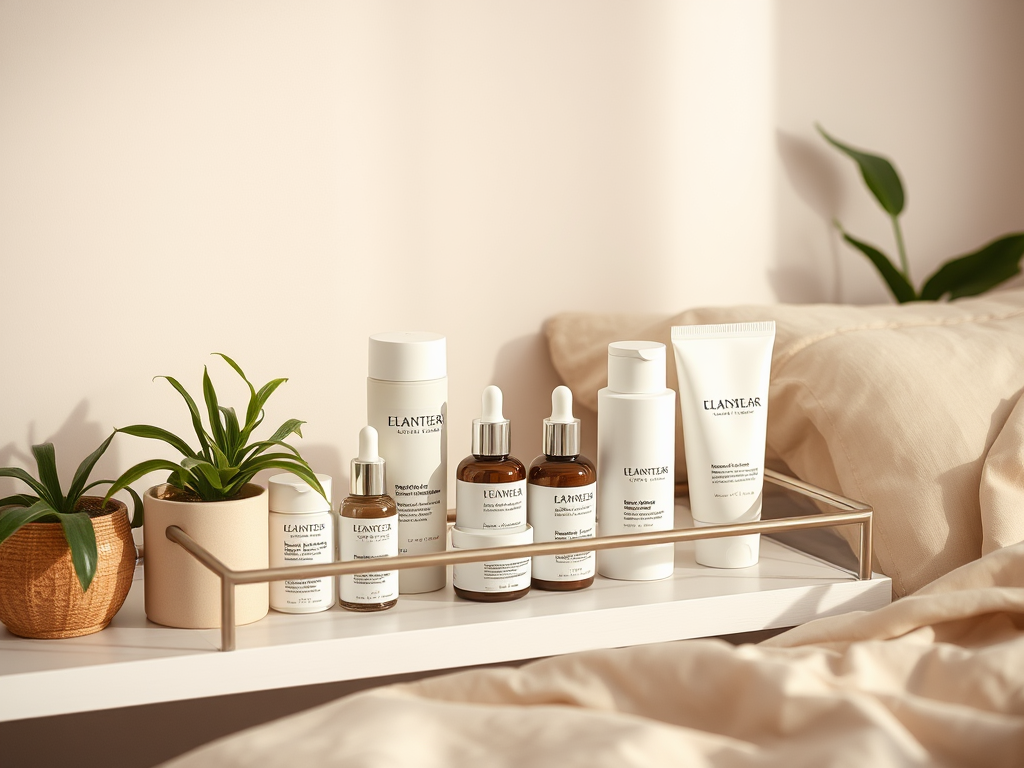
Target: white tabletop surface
135 662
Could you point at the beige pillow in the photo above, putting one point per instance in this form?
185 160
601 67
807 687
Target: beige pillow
897 406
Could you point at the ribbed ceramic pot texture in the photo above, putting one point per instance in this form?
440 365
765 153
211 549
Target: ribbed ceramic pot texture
180 592
40 595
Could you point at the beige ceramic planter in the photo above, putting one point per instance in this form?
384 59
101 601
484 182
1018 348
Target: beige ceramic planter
180 592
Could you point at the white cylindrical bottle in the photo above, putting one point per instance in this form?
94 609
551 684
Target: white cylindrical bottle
407 403
301 533
636 460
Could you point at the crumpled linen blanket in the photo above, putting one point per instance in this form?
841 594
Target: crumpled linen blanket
936 678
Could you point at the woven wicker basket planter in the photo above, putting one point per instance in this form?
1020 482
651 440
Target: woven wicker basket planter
39 592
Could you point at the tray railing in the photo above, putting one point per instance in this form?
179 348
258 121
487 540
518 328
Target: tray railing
851 513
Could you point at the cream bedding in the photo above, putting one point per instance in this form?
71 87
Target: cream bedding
936 678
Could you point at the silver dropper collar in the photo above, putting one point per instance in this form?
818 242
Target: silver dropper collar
492 431
367 476
561 429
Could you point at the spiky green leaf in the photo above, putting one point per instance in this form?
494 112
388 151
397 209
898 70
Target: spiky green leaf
231 431
200 467
292 426
20 474
979 271
197 422
18 500
144 468
46 468
13 518
901 288
156 433
81 477
81 539
213 414
138 507
879 174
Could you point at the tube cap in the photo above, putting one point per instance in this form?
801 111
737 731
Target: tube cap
491 432
561 430
407 356
368 467
636 367
291 494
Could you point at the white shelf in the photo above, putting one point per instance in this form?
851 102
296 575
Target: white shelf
136 662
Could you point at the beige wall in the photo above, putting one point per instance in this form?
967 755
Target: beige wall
279 180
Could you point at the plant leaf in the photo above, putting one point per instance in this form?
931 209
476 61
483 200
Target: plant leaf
279 461
81 538
197 422
156 433
20 474
254 414
205 469
138 507
142 469
292 426
231 431
901 288
977 272
259 447
84 470
210 396
18 500
15 517
878 173
46 468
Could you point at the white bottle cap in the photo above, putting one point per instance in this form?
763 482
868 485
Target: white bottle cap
731 552
291 494
491 432
407 356
367 469
561 429
636 367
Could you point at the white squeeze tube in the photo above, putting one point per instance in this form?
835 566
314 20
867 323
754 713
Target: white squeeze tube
723 395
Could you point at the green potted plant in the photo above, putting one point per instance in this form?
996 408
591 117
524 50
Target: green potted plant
66 560
210 495
967 275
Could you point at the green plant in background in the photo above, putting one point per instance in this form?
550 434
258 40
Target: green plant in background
48 504
967 275
225 459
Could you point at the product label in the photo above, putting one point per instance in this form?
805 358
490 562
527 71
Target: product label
645 501
490 506
301 540
560 514
367 539
493 576
411 441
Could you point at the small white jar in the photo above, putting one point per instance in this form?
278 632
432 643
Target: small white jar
301 533
497 580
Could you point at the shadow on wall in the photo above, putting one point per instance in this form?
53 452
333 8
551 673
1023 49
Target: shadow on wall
526 377
813 177
76 438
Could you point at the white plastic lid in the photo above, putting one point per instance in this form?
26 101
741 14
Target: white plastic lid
730 552
473 539
407 356
636 367
291 494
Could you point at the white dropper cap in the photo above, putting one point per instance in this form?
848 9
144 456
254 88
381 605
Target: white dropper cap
561 429
368 466
492 431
